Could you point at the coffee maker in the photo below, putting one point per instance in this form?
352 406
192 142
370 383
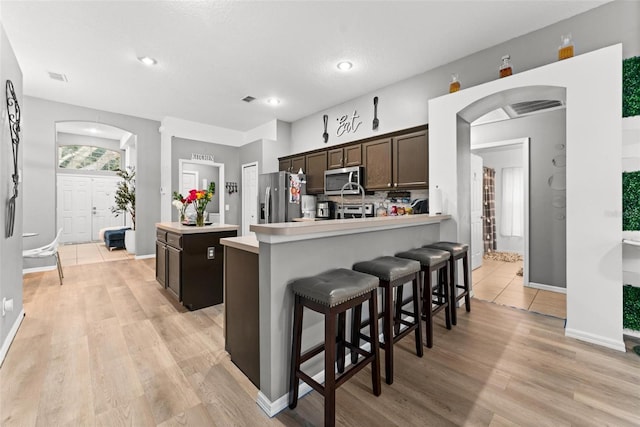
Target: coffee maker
325 210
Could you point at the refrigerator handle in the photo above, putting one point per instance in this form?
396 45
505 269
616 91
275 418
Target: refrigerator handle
267 204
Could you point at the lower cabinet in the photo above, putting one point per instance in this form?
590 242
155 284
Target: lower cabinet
190 266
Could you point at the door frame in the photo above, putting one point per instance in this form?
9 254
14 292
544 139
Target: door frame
524 143
245 192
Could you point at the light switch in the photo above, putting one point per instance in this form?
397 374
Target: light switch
226 207
211 252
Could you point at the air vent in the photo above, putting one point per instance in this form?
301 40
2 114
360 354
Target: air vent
58 76
528 107
248 99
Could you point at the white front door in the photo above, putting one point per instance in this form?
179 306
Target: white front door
249 196
84 207
103 198
477 245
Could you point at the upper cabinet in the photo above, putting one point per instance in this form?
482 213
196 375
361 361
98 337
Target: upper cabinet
400 162
316 165
411 160
292 164
395 161
345 157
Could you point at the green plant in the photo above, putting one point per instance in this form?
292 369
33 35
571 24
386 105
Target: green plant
631 87
631 200
125 197
631 307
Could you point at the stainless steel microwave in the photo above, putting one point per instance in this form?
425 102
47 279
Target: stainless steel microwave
336 179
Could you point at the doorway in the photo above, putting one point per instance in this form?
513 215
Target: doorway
249 196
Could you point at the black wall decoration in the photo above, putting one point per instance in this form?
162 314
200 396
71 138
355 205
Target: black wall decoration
376 122
325 135
13 112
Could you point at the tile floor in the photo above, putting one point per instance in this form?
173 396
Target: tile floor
496 281
89 253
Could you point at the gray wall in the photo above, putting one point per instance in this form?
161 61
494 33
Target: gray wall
250 153
547 231
499 158
404 104
230 156
40 169
10 248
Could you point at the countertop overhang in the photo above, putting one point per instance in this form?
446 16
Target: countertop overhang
245 243
177 227
292 231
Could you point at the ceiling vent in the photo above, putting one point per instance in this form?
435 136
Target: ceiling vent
522 108
57 76
248 99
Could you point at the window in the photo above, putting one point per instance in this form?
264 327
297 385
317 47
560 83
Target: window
88 158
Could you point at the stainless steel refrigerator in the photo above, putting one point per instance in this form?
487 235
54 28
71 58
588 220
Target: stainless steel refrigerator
280 196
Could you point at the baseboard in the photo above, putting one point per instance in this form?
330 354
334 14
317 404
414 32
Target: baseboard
547 287
596 339
39 269
282 403
631 333
12 333
145 256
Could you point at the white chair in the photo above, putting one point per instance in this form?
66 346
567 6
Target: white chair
50 250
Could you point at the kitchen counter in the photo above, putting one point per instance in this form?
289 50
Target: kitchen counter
293 250
245 243
177 227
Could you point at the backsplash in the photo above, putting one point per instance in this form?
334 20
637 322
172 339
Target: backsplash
379 197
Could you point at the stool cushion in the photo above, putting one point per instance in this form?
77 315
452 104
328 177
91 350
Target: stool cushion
388 268
334 287
453 248
427 256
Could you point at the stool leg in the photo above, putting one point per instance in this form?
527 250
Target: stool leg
341 349
356 319
375 345
453 297
467 286
417 316
398 313
387 332
329 369
428 306
294 381
444 288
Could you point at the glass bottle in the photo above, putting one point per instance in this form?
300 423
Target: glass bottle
566 47
505 67
454 86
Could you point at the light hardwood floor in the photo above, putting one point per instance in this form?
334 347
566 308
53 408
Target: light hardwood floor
110 348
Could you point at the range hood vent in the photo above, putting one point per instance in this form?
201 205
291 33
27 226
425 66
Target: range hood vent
248 99
522 108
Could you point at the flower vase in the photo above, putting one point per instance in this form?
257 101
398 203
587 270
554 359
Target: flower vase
183 218
200 219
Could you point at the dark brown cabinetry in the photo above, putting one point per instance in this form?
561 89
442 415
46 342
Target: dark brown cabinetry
398 162
316 165
190 266
344 157
376 156
292 164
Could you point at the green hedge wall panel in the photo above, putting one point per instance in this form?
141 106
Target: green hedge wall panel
631 87
631 307
631 201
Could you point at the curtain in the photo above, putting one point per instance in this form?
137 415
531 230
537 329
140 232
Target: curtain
489 209
512 210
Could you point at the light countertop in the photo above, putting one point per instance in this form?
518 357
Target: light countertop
245 243
177 227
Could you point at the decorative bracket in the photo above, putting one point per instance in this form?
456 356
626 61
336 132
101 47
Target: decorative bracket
13 112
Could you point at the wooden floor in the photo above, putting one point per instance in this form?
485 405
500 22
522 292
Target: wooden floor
109 348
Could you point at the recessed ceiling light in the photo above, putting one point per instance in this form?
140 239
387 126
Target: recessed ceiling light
93 130
344 66
147 60
273 101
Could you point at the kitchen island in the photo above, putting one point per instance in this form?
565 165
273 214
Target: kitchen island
289 251
189 262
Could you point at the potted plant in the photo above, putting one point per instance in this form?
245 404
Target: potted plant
125 200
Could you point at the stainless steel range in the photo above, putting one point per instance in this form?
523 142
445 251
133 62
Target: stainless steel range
355 210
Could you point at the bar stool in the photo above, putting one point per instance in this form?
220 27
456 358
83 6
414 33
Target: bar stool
392 272
332 293
432 260
457 251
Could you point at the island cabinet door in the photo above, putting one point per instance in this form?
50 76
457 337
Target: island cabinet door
173 271
161 263
376 157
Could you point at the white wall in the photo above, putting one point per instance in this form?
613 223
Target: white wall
10 247
593 85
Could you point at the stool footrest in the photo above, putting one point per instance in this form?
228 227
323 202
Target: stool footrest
311 353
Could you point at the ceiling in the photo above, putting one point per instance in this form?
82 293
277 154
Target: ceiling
211 54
